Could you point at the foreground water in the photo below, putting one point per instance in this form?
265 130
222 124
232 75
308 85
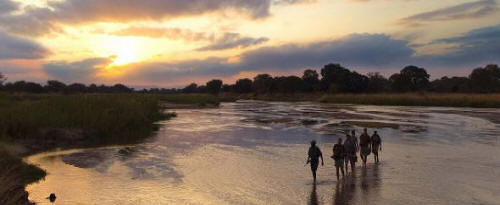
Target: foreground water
254 153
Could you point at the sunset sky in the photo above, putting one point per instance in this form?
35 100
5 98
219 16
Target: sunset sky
170 43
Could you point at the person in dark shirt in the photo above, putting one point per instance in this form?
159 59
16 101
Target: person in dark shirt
365 144
313 156
350 147
338 156
376 145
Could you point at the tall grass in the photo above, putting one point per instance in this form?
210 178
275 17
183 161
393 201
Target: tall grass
414 99
104 116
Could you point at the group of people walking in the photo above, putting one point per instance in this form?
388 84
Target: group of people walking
345 153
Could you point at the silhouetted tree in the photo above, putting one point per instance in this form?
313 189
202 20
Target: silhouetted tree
311 80
485 80
377 83
450 85
214 86
55 86
289 84
2 79
411 78
76 88
119 88
227 88
243 85
339 79
191 88
262 83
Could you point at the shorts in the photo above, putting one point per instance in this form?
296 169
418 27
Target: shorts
365 150
314 166
375 149
339 162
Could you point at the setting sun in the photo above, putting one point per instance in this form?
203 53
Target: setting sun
123 50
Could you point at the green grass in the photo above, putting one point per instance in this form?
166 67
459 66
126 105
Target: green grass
414 99
104 116
14 176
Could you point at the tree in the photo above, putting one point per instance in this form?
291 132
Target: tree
336 78
243 85
311 80
120 88
450 85
485 80
55 86
214 86
377 83
411 78
191 88
76 88
262 83
289 84
2 79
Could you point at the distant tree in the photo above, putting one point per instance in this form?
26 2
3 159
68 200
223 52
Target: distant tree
243 86
92 88
336 78
2 79
289 84
411 78
485 80
214 86
191 88
262 83
311 80
201 89
76 88
227 88
120 88
450 85
377 83
55 86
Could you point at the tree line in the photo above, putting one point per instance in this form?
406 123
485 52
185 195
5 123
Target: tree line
332 78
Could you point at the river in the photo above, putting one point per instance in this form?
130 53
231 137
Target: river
253 152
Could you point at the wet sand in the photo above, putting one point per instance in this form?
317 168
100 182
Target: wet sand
254 153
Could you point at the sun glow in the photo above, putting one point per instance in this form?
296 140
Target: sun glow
123 50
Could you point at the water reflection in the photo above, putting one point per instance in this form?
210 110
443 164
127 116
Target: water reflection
253 152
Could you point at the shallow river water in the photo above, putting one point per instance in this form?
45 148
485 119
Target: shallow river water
254 153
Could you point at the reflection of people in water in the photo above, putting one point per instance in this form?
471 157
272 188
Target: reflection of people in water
350 152
338 157
314 154
313 199
376 145
365 144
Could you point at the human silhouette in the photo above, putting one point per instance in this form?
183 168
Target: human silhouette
350 147
338 156
365 144
313 156
376 145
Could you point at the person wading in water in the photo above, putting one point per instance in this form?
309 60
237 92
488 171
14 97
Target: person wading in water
376 145
338 157
350 152
313 156
365 144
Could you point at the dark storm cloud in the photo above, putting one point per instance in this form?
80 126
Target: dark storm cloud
479 46
233 40
80 71
12 47
354 50
467 10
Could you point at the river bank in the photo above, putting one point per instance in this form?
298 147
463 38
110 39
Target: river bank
394 99
35 123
